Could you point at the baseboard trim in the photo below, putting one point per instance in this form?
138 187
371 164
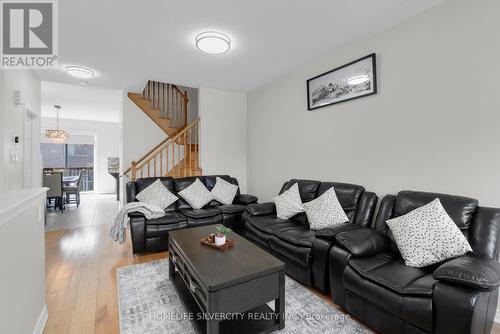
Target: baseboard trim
42 320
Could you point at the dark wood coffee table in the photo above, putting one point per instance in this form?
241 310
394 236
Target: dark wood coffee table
227 292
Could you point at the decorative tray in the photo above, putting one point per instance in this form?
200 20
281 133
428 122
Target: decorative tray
208 241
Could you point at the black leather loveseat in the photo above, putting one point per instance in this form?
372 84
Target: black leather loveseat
152 235
305 255
457 296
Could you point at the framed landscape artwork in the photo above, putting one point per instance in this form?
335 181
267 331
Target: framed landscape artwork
344 83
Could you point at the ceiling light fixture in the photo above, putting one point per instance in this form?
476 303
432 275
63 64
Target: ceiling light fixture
358 79
80 72
57 136
213 42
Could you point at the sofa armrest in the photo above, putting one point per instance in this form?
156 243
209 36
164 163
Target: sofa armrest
261 209
329 233
136 214
477 273
363 241
246 199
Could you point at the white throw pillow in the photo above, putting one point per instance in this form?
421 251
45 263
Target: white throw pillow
196 195
224 191
428 235
157 194
325 211
289 203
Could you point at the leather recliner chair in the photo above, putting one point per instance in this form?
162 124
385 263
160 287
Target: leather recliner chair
152 235
292 241
370 280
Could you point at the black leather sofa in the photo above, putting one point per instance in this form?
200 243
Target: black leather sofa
291 240
370 280
152 235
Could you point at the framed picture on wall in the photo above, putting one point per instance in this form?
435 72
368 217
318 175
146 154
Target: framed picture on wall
344 83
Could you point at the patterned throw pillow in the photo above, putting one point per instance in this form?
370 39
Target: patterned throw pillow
289 203
325 211
196 195
157 194
428 235
224 191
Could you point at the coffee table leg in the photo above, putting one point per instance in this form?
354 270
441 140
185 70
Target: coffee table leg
171 268
279 304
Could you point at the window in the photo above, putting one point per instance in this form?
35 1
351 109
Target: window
72 159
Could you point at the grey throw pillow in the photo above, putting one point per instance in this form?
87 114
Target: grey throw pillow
157 194
196 195
428 235
325 211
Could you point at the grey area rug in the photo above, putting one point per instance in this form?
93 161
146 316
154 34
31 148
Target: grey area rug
149 305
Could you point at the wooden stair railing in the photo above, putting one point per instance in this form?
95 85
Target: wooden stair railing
177 156
169 100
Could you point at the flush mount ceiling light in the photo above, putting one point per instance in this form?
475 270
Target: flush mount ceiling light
213 42
80 72
358 79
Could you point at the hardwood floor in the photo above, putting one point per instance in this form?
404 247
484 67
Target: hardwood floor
80 280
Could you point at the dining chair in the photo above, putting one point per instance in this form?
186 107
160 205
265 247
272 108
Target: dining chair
73 189
55 184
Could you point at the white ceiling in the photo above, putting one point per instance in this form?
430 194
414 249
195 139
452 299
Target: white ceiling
81 103
128 41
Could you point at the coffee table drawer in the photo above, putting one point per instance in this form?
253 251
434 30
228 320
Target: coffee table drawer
196 287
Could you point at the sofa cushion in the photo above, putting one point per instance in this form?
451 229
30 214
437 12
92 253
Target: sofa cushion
293 252
169 218
296 235
159 230
232 208
389 271
200 213
268 224
417 310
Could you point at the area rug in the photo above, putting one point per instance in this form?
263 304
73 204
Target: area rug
149 304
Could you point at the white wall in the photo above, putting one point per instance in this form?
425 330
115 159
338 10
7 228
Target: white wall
108 145
12 124
22 288
223 147
434 125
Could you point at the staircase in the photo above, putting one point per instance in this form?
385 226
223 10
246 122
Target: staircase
178 154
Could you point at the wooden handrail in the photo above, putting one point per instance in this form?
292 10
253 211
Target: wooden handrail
158 149
149 153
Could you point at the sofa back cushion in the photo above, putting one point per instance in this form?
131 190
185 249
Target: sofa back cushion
460 209
143 183
347 194
308 189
